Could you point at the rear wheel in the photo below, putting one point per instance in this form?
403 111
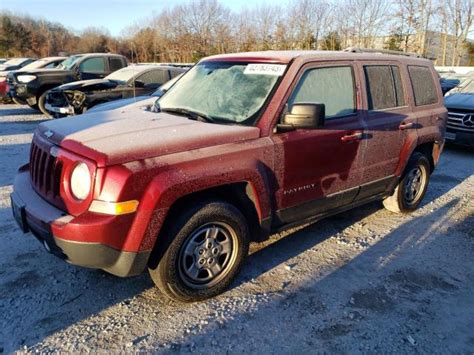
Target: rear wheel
412 186
42 102
205 251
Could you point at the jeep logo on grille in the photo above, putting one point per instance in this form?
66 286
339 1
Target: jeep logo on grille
48 134
468 120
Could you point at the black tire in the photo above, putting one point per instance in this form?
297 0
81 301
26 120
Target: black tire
412 186
42 102
172 265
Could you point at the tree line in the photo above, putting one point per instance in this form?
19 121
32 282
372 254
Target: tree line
190 31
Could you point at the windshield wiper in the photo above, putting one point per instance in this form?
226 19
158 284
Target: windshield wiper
193 115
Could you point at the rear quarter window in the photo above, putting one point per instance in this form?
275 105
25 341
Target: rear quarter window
424 89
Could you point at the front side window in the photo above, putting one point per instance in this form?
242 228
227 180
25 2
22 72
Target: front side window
331 86
226 91
93 65
424 88
154 77
384 87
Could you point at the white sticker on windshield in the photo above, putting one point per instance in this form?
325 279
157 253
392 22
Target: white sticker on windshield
265 69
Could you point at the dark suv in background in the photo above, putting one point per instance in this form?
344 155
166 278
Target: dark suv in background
460 104
32 86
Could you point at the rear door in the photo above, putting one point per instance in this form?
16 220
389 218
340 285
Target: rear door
428 103
320 169
390 124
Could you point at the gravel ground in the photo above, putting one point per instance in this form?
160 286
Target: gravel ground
364 281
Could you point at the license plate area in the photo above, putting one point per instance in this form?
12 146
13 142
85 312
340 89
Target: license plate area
19 212
450 136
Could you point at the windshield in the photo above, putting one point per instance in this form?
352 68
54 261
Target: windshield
124 74
222 90
466 87
68 63
40 63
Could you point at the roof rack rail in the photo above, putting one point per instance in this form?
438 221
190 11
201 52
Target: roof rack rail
380 51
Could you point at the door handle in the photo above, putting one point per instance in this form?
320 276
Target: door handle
404 126
352 137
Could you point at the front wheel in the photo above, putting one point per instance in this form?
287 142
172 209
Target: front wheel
205 251
412 186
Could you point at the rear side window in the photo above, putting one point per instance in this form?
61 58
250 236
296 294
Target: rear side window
331 86
156 77
424 88
115 64
384 87
175 72
93 65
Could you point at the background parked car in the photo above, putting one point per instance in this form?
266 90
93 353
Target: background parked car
139 101
460 104
3 60
31 86
46 63
11 64
137 80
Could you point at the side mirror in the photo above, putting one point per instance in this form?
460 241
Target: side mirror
303 115
139 84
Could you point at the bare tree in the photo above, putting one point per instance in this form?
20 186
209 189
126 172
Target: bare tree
460 13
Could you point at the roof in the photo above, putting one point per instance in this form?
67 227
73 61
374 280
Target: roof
287 56
144 67
94 54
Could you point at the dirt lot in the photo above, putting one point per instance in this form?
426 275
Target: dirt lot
364 281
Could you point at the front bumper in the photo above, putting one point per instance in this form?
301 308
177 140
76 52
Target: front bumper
463 138
35 215
67 110
22 92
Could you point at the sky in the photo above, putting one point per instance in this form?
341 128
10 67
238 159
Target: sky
113 15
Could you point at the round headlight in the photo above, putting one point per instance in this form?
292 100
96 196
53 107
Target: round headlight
81 181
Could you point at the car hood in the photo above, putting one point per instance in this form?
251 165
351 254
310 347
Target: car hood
46 72
87 85
114 137
460 101
130 103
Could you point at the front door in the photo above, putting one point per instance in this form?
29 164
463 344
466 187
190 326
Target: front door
318 170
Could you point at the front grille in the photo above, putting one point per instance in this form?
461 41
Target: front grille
460 120
45 171
57 98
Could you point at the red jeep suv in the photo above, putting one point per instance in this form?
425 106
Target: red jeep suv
242 146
